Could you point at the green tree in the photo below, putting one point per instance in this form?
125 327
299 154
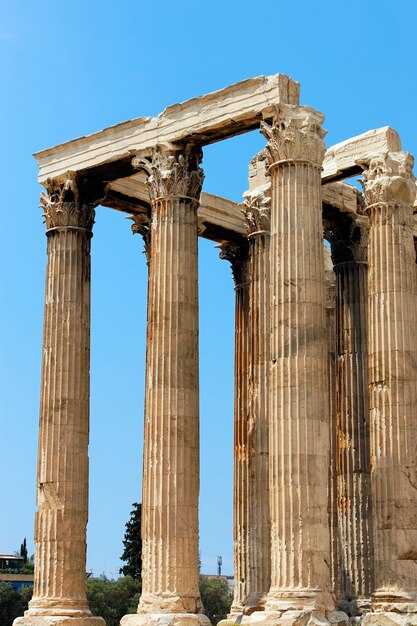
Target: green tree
28 568
111 599
13 603
216 597
24 550
132 553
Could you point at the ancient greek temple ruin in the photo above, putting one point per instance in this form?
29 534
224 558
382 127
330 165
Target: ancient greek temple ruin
325 450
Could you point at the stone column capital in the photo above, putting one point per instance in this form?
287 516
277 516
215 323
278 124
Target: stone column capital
237 255
295 134
257 210
69 202
142 226
389 179
173 171
348 238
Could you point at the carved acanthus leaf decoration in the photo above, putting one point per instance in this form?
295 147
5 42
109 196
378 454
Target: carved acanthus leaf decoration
173 171
237 255
348 238
296 134
257 209
141 226
390 179
70 201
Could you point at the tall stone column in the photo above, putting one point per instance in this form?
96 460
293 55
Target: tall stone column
59 594
237 255
171 449
298 401
330 284
257 217
349 251
390 190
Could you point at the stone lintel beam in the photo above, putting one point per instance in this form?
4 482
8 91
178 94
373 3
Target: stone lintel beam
342 196
219 219
203 120
349 157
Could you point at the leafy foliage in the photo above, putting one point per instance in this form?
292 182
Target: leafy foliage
216 597
13 603
28 568
112 599
132 542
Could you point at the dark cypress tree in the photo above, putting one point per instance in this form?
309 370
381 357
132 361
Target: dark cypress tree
24 550
132 553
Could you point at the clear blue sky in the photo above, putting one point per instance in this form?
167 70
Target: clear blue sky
69 68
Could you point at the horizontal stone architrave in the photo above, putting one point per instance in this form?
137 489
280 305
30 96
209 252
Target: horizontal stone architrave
348 157
219 219
206 119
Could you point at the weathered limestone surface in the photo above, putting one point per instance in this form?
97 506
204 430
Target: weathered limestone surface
349 157
389 187
62 477
203 120
217 216
348 237
257 217
299 426
171 450
340 196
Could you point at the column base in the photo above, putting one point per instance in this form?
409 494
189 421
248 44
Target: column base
390 618
165 619
58 620
304 617
235 611
305 600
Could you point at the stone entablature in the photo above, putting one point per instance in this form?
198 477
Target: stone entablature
324 490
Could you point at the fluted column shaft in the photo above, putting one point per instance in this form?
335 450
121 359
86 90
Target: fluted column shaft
353 447
257 216
390 189
240 482
250 265
330 280
171 449
237 256
299 404
62 474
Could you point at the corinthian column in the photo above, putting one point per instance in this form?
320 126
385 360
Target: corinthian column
298 401
330 284
237 255
257 217
390 190
59 594
349 252
171 449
